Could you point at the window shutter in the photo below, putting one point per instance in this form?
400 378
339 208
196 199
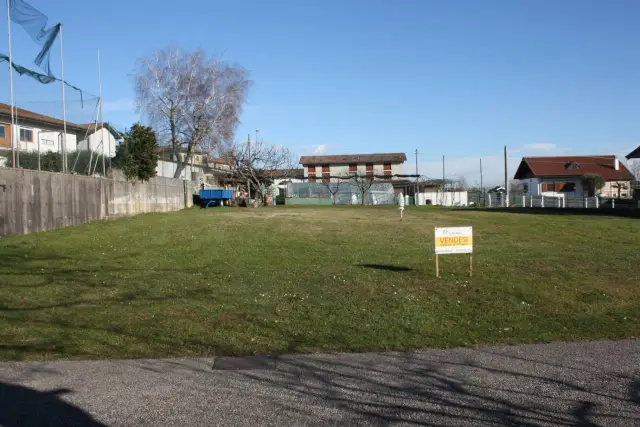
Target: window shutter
558 187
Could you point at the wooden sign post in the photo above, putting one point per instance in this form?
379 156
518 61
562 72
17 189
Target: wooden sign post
454 240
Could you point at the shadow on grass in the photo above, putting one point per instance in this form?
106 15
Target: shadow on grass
26 407
385 267
604 211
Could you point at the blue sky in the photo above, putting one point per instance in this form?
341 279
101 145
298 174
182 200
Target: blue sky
453 78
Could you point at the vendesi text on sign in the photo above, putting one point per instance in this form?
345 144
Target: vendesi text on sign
454 240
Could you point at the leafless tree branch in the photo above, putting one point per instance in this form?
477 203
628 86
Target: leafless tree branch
257 162
364 182
194 103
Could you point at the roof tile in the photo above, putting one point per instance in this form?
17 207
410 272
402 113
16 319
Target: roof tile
580 165
343 159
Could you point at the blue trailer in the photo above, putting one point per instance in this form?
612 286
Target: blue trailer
214 197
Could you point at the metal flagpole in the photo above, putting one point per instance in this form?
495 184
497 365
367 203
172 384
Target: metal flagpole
64 109
104 167
13 130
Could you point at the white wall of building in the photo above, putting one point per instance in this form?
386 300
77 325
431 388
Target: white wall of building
343 170
535 186
443 198
168 169
108 148
50 140
610 189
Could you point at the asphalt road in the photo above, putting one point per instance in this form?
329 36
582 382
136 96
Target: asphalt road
575 384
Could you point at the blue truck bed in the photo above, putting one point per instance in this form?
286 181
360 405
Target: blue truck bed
216 194
214 197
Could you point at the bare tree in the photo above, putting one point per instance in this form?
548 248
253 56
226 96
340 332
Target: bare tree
192 102
254 163
333 185
462 183
634 166
363 182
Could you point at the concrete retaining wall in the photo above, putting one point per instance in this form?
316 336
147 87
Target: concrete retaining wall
37 201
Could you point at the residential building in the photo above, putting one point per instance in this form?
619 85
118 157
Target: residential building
198 158
202 167
322 168
100 138
37 132
563 176
635 154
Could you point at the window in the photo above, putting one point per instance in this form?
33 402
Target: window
2 132
387 169
547 188
26 135
568 187
572 165
326 174
353 168
311 173
525 188
369 169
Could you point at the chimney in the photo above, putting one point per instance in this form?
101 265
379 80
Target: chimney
616 164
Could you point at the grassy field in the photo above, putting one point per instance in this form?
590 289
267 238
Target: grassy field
241 281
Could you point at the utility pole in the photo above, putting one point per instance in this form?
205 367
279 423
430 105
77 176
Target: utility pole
481 186
249 165
506 179
443 183
415 191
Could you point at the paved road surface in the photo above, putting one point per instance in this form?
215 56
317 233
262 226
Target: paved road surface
576 384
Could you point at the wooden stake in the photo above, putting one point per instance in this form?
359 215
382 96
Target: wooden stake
437 266
470 265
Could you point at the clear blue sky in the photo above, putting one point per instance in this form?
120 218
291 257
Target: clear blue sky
453 78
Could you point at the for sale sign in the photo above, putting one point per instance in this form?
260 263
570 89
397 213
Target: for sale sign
454 240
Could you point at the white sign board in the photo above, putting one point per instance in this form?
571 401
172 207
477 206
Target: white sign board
454 240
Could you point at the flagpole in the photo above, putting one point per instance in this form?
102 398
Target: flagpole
13 130
104 166
64 109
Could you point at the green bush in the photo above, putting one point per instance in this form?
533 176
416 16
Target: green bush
52 162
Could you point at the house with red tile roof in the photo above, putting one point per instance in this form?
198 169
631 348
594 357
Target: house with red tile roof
38 132
563 176
379 164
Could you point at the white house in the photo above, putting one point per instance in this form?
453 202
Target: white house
330 167
36 132
562 176
99 138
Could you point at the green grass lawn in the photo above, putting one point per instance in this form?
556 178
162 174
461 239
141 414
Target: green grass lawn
242 281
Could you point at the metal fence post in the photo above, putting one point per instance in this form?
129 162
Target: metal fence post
597 203
586 202
613 203
489 197
524 201
542 201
